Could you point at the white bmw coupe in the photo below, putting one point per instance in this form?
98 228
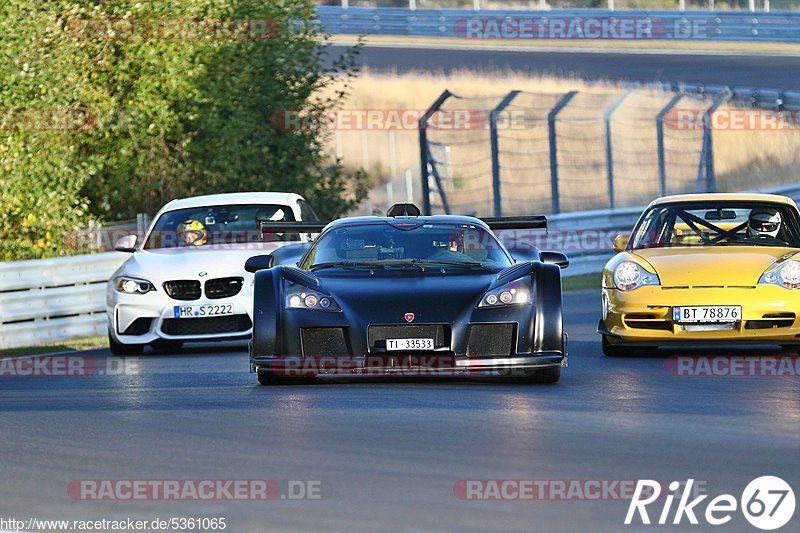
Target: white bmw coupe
185 279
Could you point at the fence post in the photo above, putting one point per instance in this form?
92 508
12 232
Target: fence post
611 5
409 186
424 150
662 162
551 127
345 4
498 203
609 147
706 166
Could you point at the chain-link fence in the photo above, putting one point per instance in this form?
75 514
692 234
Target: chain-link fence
526 152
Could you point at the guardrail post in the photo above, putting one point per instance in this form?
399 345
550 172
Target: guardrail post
551 127
706 175
609 147
427 164
498 203
662 162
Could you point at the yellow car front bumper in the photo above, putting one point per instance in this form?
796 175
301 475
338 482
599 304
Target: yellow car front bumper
644 315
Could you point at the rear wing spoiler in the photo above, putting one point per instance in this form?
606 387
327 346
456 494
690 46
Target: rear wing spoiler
525 222
496 223
310 226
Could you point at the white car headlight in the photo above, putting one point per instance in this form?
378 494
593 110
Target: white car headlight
629 276
516 292
787 275
128 285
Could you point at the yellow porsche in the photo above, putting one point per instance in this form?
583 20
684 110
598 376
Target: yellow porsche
700 269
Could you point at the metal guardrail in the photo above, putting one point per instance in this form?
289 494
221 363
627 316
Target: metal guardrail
591 261
486 25
50 300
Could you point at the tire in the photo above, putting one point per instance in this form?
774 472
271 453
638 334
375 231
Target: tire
544 375
118 348
613 350
167 347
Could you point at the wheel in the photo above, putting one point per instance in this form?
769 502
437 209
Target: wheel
118 348
167 347
614 350
265 377
545 375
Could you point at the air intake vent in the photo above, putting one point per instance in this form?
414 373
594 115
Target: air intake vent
324 341
490 340
206 326
223 287
511 271
302 277
183 289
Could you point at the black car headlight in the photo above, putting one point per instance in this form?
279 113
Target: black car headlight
128 285
299 297
517 292
786 275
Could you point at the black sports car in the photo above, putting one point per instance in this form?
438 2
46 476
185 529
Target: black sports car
408 295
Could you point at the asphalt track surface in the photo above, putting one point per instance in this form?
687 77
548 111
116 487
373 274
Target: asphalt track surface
389 454
764 71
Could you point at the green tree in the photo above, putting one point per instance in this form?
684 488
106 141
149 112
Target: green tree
113 108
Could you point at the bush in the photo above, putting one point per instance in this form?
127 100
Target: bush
110 109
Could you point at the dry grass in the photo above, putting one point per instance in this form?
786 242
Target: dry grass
745 159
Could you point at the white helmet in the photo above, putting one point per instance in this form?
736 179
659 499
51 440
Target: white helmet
764 222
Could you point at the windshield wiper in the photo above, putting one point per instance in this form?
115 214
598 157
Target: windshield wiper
343 264
465 264
370 264
401 263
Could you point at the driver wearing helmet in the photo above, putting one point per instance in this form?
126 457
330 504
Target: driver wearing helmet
192 233
764 222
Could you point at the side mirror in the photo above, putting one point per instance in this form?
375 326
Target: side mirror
621 242
126 244
258 262
555 258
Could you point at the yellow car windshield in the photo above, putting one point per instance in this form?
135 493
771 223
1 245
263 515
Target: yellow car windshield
718 224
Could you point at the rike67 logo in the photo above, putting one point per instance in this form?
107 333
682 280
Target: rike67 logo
767 502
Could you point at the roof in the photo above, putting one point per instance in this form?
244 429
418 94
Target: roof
280 198
724 197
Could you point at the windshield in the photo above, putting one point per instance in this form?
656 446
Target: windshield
218 224
717 224
407 244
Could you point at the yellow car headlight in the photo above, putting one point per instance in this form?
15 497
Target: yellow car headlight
629 276
787 275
